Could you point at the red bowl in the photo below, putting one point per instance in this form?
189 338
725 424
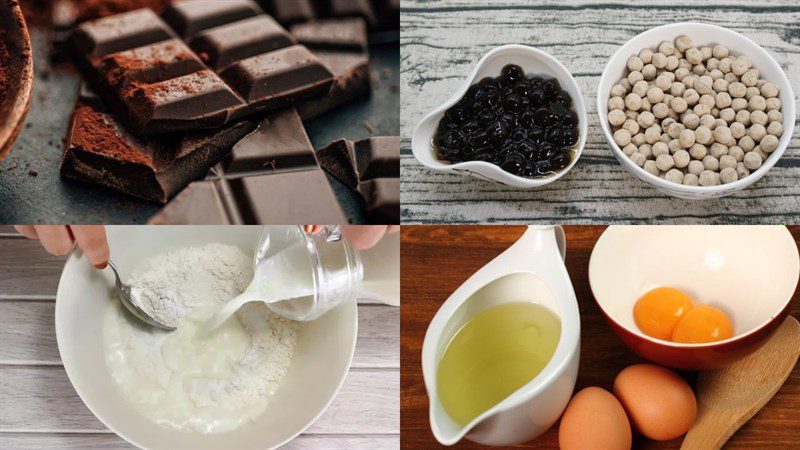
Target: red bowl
751 273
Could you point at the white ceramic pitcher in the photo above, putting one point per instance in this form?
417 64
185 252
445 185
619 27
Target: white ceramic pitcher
530 270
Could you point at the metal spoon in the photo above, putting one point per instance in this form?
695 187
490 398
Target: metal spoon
129 302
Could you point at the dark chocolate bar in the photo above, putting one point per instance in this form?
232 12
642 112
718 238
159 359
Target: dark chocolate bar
291 11
382 200
352 163
353 8
244 64
100 150
337 160
333 34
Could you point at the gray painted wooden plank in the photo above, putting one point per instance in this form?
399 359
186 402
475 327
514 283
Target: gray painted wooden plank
41 398
27 335
441 41
26 269
79 441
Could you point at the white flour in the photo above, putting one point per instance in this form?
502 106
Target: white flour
179 379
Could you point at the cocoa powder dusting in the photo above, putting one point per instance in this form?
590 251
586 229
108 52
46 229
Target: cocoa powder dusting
95 134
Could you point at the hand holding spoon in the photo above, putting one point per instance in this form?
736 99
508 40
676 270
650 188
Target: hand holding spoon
727 398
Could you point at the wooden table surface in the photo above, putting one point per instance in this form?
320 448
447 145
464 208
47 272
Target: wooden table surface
442 41
436 260
39 409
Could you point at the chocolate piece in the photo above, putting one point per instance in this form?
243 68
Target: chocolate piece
336 159
377 157
388 12
283 198
280 143
157 84
101 151
382 200
189 17
354 8
333 34
291 11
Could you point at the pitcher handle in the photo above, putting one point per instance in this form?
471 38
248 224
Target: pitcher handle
558 233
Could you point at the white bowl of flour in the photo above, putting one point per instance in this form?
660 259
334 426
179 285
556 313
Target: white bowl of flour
271 378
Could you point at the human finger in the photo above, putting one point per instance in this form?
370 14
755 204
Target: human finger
92 239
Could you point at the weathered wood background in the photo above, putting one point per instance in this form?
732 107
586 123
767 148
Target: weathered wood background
39 409
442 40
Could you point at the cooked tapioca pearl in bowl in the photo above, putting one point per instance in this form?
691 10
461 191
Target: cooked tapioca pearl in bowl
702 90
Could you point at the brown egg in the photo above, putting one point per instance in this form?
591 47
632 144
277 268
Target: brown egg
594 419
660 403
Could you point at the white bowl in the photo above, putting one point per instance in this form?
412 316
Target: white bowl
533 61
702 35
320 363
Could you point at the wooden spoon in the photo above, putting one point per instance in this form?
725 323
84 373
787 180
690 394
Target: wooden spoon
727 398
18 65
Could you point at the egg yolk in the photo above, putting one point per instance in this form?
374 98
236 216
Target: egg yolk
658 311
703 324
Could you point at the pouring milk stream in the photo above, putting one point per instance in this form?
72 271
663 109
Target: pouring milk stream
302 276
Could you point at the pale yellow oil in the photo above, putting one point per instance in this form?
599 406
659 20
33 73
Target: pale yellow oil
495 353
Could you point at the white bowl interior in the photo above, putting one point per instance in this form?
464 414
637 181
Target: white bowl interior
749 272
533 61
701 35
320 363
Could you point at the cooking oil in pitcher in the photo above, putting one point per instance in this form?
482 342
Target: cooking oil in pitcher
493 354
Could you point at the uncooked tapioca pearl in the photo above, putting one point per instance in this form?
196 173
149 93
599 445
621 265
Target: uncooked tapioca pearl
728 115
723 100
717 150
751 92
707 52
665 162
720 51
684 64
715 113
660 148
769 90
716 75
683 43
622 137
741 65
736 153
631 126
759 117
674 175
672 62
681 73
698 151
640 88
618 90
646 105
707 178
724 136
635 63
687 138
742 116
689 80
757 132
707 120
645 119
625 83
638 158
727 161
655 94
660 110
737 89
747 143
646 150
690 120
741 170
633 77
757 103
631 114
773 104
691 96
710 163
738 104
752 160
679 104
750 78
616 103
702 135
774 128
720 85
712 63
616 117
699 70
730 77
769 143
738 130
695 167
690 179
674 145
681 158
638 139
693 55
666 48
659 60
701 109
718 122
725 64
764 155
629 149
668 99
649 72
728 175
774 115
652 134
673 129
677 88
663 82
633 102
708 100
646 55
650 166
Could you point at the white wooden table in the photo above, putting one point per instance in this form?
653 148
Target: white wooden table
39 409
442 40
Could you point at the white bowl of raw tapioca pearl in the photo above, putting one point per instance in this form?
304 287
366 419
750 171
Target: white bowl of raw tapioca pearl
695 110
